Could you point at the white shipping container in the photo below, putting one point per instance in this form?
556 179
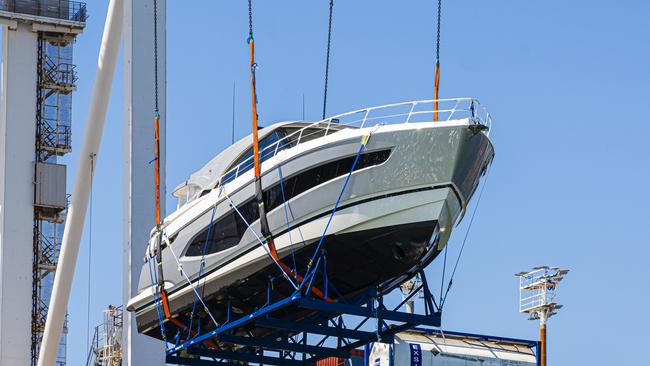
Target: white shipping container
433 348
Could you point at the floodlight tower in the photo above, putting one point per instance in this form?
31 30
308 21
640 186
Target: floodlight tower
407 288
537 298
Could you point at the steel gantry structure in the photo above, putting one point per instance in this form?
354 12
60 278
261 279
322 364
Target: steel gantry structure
334 330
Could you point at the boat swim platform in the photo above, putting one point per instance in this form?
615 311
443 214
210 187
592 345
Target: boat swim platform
334 330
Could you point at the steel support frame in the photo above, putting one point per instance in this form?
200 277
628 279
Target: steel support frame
305 341
306 338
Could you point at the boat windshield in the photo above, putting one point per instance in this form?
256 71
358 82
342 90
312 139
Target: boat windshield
285 137
267 141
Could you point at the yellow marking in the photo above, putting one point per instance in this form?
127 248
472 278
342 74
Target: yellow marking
365 139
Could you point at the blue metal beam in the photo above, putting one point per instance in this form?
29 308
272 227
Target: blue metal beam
274 345
279 342
176 360
366 311
383 338
313 328
236 323
245 357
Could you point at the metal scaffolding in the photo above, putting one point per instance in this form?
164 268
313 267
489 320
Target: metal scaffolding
106 346
56 80
334 329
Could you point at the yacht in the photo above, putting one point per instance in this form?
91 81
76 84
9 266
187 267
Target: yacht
411 169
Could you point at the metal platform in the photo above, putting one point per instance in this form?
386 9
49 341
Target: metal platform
334 330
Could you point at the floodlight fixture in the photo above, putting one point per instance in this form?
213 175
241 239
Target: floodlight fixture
537 298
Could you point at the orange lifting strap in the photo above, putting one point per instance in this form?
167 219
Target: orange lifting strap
256 161
156 134
156 127
435 92
436 85
256 157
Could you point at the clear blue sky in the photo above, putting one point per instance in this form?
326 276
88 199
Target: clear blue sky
567 84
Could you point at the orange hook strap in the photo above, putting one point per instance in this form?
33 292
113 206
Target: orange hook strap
256 158
156 127
435 92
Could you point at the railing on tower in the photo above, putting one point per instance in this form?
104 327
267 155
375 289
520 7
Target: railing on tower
106 345
58 75
59 9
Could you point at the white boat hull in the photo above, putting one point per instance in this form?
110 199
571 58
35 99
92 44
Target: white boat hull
393 218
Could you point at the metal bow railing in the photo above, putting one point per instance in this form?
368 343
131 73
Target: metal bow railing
406 112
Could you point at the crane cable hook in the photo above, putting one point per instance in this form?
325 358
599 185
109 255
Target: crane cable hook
437 77
156 160
327 59
253 66
256 154
159 232
259 193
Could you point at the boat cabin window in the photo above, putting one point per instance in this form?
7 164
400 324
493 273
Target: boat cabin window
267 141
228 230
309 179
292 135
308 134
224 234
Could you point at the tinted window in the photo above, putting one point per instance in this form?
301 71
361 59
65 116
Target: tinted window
264 155
311 178
308 134
227 231
224 234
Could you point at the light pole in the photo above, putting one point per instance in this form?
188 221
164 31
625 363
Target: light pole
537 298
407 289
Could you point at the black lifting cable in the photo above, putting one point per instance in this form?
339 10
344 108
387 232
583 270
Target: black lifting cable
250 18
462 247
438 32
327 60
155 54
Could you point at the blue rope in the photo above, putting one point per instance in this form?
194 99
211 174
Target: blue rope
327 279
198 281
286 216
313 274
336 205
248 227
462 247
157 302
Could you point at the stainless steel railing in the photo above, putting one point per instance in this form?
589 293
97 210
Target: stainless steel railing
406 112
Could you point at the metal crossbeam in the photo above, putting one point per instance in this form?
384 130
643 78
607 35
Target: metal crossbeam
366 311
236 323
272 344
283 344
176 360
313 328
287 342
245 357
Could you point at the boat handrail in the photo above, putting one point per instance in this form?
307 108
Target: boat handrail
414 112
